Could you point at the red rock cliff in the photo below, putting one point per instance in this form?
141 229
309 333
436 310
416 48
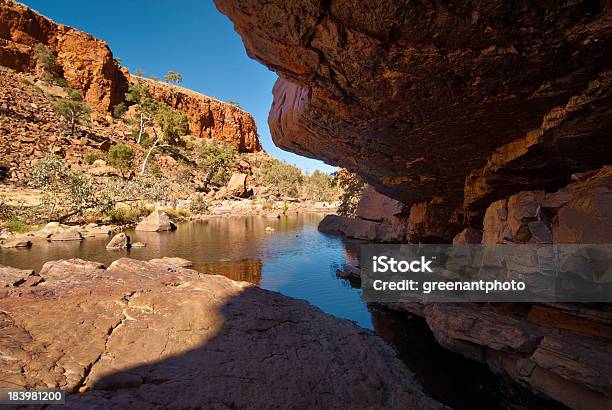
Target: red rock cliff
88 65
472 114
87 62
210 118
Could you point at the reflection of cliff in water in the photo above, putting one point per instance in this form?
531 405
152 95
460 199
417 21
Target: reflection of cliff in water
245 270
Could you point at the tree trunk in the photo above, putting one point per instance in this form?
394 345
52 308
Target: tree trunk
144 163
72 124
141 128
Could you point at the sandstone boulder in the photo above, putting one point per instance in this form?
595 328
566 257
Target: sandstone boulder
377 207
237 185
157 221
119 241
361 229
16 243
67 235
12 276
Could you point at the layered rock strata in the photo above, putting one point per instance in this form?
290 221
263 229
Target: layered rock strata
420 98
558 350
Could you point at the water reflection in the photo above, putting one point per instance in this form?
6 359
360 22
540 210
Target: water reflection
246 270
296 260
293 258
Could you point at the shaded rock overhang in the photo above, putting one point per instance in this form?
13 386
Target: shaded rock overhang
422 99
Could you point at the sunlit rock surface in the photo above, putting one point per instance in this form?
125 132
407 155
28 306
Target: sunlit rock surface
156 335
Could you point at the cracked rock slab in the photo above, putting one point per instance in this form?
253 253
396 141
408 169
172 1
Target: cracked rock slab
149 335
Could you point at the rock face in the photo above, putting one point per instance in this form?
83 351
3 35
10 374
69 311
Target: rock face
430 100
578 213
145 335
87 63
380 218
157 221
560 350
210 118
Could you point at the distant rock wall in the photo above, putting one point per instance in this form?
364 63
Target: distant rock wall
210 118
88 65
87 62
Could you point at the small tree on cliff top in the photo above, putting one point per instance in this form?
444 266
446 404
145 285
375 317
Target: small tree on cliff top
173 77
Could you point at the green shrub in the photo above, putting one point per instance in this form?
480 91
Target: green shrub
173 123
45 57
18 226
199 204
72 109
119 110
62 82
127 214
285 177
92 156
120 156
156 170
216 160
177 213
47 170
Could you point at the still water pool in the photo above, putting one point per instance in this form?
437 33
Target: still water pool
297 260
294 259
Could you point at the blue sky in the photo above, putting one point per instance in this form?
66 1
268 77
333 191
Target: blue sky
190 37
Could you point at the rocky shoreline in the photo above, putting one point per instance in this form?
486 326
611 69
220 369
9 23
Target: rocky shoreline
557 350
55 232
152 334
